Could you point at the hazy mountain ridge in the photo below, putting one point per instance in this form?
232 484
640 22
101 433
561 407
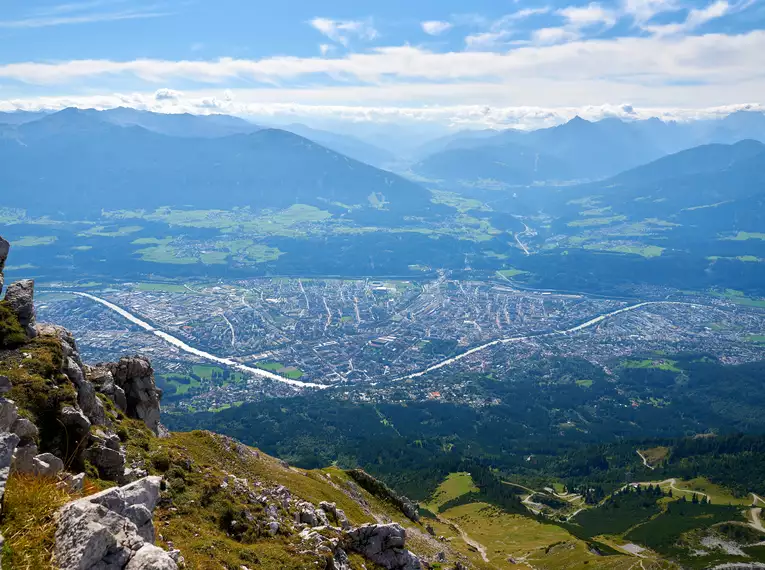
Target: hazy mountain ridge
73 161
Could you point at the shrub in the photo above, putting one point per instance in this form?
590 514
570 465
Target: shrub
11 332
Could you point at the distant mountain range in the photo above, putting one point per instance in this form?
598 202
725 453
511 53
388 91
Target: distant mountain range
577 150
216 126
78 161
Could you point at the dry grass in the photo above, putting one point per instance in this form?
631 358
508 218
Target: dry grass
28 521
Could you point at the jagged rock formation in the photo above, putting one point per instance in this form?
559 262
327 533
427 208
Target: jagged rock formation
112 530
130 384
20 297
381 490
383 544
4 248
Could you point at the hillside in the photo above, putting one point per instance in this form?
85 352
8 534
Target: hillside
75 162
207 501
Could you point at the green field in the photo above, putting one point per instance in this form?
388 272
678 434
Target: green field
110 231
278 368
455 485
743 236
584 383
661 364
637 249
32 241
511 272
591 222
758 338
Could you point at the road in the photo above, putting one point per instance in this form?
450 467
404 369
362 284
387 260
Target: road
527 231
465 537
572 330
645 461
190 349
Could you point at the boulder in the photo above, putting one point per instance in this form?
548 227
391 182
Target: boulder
20 297
75 422
25 429
109 462
24 458
150 557
9 413
135 376
5 384
47 465
383 544
112 530
8 442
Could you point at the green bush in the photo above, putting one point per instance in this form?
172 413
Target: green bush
11 332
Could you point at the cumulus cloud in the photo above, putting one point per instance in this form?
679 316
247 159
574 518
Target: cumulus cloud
342 31
167 95
580 17
457 116
436 27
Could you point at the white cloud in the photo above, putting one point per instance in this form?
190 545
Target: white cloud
341 31
48 21
167 95
697 17
545 36
579 17
458 116
436 27
501 30
325 48
643 11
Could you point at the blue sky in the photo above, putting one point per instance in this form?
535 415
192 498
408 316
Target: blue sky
498 62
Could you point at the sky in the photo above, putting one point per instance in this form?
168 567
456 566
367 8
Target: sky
454 63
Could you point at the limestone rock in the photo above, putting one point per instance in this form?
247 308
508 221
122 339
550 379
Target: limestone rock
109 462
135 376
101 377
9 413
383 544
112 530
5 384
4 248
8 442
47 465
24 458
20 297
150 557
25 429
75 421
86 392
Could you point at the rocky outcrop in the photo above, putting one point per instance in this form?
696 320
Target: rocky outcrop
112 530
4 248
135 377
382 491
383 544
20 297
102 379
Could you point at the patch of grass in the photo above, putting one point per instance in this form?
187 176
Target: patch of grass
743 236
458 202
29 525
584 383
661 364
511 272
11 332
590 222
32 241
757 338
635 249
455 485
110 231
655 455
